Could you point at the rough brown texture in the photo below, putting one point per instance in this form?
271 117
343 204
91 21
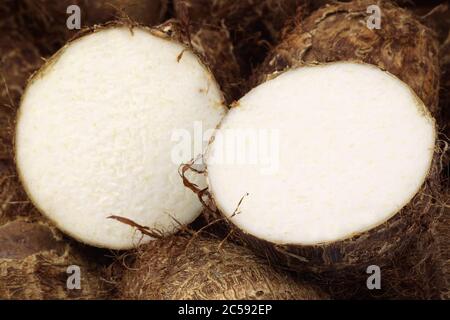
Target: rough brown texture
441 233
199 268
254 25
213 45
445 86
34 260
13 200
415 274
46 19
435 16
18 60
338 32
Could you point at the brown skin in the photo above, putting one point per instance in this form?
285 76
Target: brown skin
34 260
442 260
46 19
403 46
181 267
441 233
213 45
13 200
18 60
445 85
437 17
254 25
442 226
415 274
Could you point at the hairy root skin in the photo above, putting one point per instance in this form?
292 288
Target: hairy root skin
182 267
34 263
402 46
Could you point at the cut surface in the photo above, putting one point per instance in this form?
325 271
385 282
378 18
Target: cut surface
94 134
340 148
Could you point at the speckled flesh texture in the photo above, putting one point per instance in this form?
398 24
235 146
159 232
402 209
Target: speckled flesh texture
46 19
18 60
307 125
339 32
95 133
34 262
198 268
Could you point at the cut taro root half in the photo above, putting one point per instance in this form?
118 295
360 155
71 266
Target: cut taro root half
94 134
319 155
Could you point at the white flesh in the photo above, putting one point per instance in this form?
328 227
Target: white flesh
355 146
94 135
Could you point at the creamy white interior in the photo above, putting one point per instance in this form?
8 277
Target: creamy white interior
355 146
94 135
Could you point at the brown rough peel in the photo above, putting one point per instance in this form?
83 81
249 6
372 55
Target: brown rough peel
213 45
437 17
402 46
415 274
441 234
445 86
18 60
183 267
13 200
254 26
46 19
34 260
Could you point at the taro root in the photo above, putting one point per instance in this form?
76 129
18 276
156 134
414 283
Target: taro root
182 267
344 172
99 128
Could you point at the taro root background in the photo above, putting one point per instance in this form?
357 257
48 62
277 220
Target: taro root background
240 33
